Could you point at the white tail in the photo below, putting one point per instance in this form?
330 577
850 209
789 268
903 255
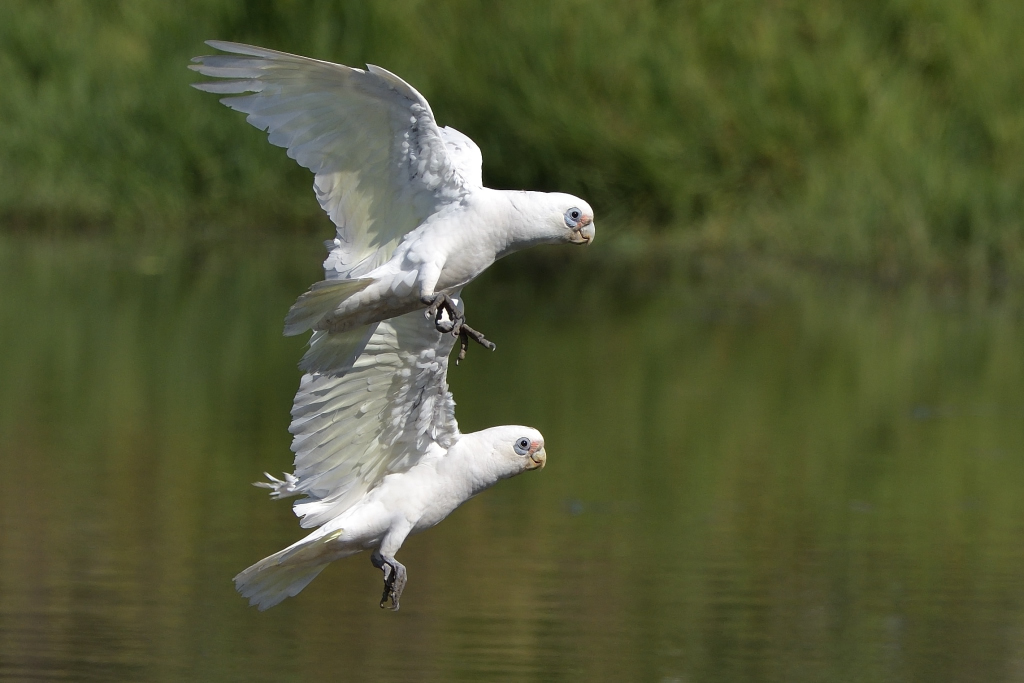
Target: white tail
320 301
280 488
332 353
285 573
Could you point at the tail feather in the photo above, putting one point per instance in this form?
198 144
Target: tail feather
333 353
285 573
280 488
321 300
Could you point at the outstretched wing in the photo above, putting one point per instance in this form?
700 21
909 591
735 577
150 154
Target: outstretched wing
381 162
465 154
379 414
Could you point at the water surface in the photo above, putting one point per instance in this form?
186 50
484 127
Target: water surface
753 476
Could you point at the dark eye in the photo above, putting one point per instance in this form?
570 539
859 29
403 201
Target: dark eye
522 445
572 217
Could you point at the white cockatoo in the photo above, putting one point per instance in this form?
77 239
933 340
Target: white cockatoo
378 456
414 221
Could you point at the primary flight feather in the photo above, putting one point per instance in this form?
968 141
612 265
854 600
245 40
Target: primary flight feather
414 221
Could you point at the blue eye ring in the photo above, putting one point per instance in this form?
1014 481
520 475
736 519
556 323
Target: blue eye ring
573 216
522 445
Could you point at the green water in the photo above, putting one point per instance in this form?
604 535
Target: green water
753 475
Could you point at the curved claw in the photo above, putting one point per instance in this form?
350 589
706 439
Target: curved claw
465 333
454 325
388 582
395 577
437 306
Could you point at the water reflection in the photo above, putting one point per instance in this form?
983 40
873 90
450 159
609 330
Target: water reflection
753 476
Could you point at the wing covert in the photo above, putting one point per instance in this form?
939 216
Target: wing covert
381 414
465 154
379 158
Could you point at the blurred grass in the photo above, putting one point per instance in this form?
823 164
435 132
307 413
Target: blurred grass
886 136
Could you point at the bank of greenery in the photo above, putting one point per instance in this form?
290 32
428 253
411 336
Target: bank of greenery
882 135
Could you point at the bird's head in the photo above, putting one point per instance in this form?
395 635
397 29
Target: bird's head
517 449
575 218
551 217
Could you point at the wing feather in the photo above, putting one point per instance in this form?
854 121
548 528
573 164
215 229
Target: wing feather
381 163
382 413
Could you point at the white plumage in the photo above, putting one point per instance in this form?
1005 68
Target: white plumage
413 218
378 453
379 456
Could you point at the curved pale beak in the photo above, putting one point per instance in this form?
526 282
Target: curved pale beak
538 459
584 233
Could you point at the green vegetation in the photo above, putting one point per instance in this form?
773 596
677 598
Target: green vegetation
880 135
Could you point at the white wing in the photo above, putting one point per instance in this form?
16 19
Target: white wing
465 154
381 414
381 162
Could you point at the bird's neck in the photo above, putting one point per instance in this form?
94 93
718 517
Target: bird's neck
469 467
523 225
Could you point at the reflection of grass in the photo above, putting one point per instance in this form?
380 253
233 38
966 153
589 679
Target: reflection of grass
809 517
752 476
889 135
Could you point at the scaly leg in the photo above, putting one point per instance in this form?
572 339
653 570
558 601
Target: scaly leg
456 324
436 305
395 577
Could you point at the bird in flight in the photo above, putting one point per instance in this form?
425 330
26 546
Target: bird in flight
414 221
379 456
378 453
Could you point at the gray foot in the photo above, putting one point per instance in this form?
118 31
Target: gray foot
456 324
394 578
